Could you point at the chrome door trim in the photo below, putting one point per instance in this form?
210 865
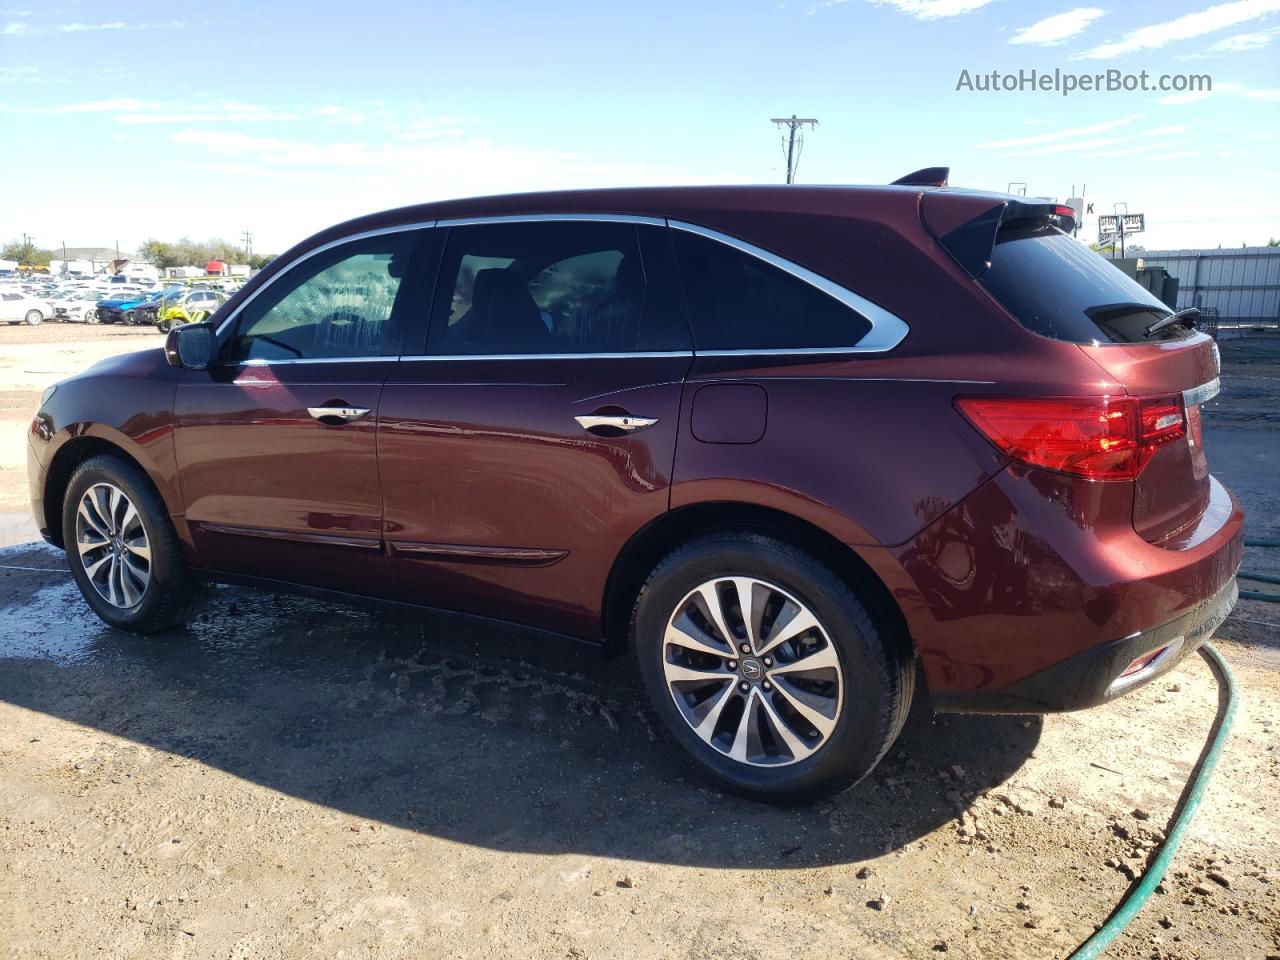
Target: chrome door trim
526 556
345 414
620 422
297 536
553 356
887 329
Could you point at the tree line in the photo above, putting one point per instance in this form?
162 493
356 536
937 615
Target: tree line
193 253
181 253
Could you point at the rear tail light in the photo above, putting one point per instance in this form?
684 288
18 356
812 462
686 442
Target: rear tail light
1099 438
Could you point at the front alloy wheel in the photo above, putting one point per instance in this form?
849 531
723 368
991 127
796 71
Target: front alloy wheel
752 671
113 545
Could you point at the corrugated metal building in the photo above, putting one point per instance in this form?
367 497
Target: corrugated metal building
1242 284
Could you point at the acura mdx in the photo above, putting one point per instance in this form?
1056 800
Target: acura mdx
803 452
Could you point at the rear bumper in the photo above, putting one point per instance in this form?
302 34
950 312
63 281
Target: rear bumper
1034 571
1095 676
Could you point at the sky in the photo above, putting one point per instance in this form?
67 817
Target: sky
128 121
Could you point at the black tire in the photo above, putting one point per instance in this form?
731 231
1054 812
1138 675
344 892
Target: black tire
879 678
171 592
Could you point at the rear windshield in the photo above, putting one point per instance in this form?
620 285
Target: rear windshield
1059 288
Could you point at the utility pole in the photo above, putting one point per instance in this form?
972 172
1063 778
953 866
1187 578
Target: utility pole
793 124
248 244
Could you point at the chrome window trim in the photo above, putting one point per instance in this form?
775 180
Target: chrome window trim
553 218
555 356
468 356
887 329
352 238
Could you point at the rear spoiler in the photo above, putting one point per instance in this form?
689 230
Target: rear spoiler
926 177
966 224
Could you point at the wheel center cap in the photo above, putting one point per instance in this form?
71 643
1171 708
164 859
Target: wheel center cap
750 668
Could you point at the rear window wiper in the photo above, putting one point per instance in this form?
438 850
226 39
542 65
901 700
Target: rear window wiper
1188 316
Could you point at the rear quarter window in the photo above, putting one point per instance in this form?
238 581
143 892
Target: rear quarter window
1059 288
739 302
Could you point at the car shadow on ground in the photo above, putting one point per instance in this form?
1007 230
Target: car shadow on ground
459 729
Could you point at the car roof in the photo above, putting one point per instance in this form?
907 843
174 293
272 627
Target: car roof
693 203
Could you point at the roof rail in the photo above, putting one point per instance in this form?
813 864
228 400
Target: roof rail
927 177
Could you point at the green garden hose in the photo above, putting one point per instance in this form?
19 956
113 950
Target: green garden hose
1192 794
1260 577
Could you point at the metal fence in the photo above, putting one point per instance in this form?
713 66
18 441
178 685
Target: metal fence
1242 285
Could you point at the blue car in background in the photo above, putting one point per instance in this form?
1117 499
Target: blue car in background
134 308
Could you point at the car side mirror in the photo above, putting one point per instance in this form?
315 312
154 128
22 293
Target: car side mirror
190 346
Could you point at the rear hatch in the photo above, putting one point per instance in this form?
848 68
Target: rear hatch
1057 287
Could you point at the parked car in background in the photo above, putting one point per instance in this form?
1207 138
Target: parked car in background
794 449
188 306
76 307
136 308
19 307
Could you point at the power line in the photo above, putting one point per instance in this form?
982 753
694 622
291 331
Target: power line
248 243
793 124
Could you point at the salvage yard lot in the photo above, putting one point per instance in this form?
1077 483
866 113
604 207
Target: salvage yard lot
291 779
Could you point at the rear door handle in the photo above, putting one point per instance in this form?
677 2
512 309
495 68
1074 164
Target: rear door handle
624 422
338 415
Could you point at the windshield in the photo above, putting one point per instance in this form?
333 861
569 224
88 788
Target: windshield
1059 288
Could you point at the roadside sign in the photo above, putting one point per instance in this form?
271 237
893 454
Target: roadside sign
1110 224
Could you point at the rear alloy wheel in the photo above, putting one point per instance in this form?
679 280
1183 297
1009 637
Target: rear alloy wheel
770 697
33 317
122 549
766 669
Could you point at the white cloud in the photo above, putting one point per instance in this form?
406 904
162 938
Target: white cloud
1078 145
1073 146
26 29
1191 96
1157 35
934 9
92 106
921 9
132 111
1147 148
1227 88
1060 134
1059 28
467 166
1242 41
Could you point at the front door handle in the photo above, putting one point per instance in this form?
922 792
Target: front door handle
624 422
334 416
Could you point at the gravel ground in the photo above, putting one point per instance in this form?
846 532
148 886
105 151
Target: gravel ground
293 779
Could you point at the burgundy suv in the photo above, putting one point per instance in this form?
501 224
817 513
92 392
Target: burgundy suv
789 446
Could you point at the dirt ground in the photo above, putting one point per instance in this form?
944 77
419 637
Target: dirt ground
295 779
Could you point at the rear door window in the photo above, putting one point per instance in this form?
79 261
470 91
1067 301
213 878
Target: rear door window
554 287
1057 287
739 302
